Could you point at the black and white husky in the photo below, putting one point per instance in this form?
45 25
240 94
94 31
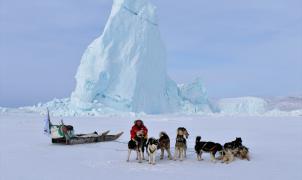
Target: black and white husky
181 143
152 145
208 147
237 148
137 144
233 144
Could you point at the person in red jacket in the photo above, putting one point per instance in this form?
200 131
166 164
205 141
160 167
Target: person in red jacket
139 126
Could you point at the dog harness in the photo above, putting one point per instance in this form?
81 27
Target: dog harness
180 141
208 149
152 151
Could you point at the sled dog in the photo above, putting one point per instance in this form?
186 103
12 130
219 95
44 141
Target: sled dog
164 144
227 156
233 144
151 149
137 144
181 143
208 147
243 153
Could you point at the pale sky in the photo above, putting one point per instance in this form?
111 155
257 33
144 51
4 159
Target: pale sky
237 47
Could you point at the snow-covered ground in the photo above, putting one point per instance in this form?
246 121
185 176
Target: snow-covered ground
275 144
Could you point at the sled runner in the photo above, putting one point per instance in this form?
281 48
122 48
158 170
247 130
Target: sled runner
64 134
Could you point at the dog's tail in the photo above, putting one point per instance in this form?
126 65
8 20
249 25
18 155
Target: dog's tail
162 133
198 139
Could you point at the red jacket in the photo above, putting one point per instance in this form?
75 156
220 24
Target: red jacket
136 128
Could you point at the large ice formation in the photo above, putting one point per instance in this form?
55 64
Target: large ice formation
124 71
125 68
243 105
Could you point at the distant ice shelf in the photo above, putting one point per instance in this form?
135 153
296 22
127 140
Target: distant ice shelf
240 106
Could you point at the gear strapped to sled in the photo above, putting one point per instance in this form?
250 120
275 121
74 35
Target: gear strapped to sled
61 131
64 134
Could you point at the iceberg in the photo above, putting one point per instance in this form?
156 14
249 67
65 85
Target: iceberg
123 72
194 92
125 68
195 98
243 105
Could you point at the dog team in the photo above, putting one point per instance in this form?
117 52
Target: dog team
139 141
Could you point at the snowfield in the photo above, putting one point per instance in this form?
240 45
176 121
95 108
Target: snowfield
275 144
124 71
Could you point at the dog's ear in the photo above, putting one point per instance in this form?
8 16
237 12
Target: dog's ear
198 138
239 139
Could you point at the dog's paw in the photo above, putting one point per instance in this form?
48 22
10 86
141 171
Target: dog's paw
219 158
